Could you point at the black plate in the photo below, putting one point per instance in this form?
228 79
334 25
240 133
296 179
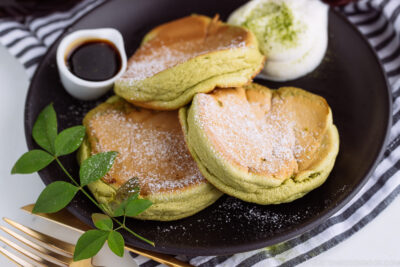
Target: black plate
350 78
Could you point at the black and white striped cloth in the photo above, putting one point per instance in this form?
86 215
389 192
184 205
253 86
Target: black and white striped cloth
378 20
29 41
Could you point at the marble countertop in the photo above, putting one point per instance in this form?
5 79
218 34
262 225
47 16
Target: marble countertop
375 245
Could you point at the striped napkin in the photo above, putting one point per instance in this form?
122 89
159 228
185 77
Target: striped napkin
378 20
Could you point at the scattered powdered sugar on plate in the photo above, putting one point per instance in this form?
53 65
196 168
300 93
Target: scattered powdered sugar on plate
233 219
73 113
233 209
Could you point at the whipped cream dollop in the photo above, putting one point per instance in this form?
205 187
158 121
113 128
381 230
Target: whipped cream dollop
292 34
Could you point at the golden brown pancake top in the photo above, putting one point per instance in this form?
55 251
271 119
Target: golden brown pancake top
150 146
265 132
180 40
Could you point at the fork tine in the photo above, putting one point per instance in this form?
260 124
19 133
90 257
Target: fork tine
18 261
38 260
54 243
52 256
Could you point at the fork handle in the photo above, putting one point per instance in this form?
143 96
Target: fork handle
158 257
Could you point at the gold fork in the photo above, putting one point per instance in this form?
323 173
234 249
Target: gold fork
48 251
66 219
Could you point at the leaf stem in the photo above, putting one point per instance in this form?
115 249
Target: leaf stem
92 199
80 188
121 225
66 172
135 234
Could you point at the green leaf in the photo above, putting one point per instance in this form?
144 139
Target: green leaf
130 187
54 197
95 167
69 140
102 221
44 130
137 206
116 243
32 161
89 244
120 210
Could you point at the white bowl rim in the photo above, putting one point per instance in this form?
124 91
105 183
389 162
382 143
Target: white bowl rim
84 35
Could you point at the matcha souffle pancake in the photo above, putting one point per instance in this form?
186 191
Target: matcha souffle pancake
194 54
260 145
152 155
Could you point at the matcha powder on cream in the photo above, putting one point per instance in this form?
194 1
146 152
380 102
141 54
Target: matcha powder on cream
274 24
292 34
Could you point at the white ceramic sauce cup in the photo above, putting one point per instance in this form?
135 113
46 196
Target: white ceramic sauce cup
77 87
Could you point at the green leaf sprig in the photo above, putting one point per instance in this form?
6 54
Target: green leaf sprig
59 194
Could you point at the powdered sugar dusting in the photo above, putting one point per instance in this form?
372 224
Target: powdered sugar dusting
150 146
260 137
167 50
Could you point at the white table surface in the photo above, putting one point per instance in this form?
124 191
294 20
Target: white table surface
377 244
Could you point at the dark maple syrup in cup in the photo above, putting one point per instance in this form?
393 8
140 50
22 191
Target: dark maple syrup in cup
94 60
